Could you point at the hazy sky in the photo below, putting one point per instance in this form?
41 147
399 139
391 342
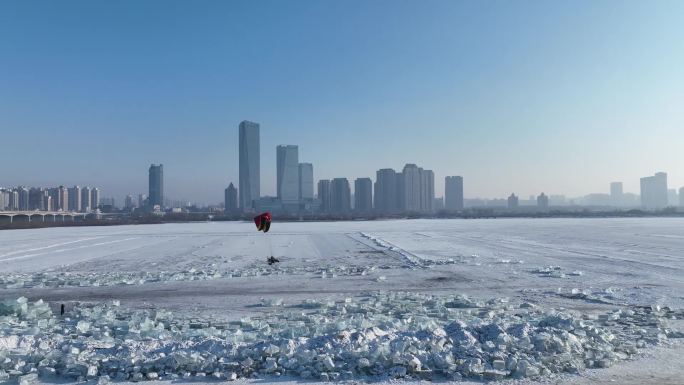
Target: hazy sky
516 96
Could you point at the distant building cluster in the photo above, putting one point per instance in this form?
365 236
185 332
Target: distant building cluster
654 195
74 199
411 190
408 191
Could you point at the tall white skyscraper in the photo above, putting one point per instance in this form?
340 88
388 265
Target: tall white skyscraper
411 188
416 189
427 190
94 198
453 193
62 198
654 191
85 199
306 181
13 202
250 165
4 199
287 173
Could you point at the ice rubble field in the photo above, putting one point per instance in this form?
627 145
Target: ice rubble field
424 299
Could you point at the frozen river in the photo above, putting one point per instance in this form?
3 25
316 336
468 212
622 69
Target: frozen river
218 271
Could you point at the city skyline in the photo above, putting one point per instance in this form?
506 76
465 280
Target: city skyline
560 98
408 191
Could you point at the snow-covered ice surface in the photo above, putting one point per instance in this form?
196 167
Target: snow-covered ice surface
529 299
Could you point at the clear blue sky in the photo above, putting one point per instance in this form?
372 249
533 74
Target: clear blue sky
523 96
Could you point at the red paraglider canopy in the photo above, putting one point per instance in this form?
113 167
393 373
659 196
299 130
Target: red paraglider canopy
263 221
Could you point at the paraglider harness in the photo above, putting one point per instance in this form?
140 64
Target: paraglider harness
263 223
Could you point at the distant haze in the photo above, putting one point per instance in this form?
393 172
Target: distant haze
515 96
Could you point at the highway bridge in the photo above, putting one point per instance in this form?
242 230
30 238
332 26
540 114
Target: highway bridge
43 216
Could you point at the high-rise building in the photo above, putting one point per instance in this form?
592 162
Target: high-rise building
654 191
513 202
250 167
86 196
13 201
453 193
681 197
53 193
94 198
75 198
427 190
128 202
386 191
672 199
439 204
4 199
616 194
543 202
324 195
340 195
287 182
23 198
62 198
363 195
412 190
412 185
306 188
400 192
142 200
156 186
231 199
36 198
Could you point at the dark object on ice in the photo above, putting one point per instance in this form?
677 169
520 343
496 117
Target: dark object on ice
61 310
271 260
263 221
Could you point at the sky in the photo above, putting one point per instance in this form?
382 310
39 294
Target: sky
516 96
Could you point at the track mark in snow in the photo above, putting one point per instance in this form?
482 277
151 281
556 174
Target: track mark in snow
71 249
412 259
45 247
